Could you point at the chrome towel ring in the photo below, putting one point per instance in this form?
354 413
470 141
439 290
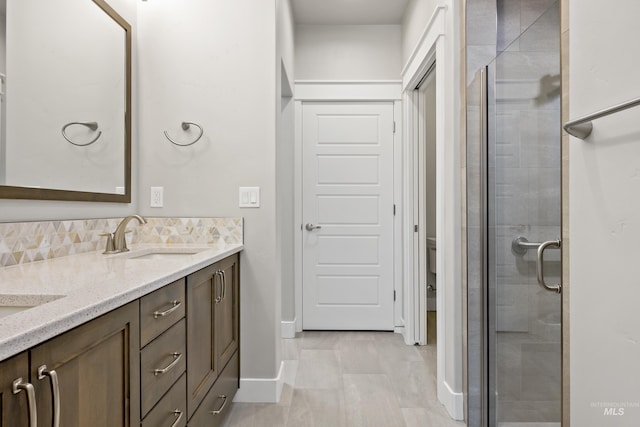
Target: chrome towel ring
186 126
91 125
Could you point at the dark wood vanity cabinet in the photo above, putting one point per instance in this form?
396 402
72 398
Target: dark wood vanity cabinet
85 377
96 366
169 358
14 394
213 327
202 309
163 356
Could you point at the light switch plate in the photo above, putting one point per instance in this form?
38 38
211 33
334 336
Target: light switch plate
249 197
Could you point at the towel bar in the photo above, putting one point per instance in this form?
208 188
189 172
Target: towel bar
581 128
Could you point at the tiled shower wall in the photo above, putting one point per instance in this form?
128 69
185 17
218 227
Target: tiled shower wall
22 242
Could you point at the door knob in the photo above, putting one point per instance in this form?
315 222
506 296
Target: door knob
310 227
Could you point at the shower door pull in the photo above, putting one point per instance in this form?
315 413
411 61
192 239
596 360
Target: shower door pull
540 265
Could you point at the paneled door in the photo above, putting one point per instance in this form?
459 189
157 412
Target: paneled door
347 171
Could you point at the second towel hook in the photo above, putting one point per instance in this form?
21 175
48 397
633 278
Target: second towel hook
186 126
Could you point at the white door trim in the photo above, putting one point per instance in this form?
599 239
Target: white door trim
387 90
436 44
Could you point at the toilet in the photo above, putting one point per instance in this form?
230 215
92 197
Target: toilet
431 276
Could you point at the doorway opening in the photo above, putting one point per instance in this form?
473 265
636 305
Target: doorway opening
425 93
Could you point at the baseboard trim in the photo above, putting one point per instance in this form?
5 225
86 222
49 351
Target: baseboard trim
454 402
260 390
288 328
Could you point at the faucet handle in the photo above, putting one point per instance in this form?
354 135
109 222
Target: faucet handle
110 246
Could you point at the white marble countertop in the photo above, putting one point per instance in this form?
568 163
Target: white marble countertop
74 289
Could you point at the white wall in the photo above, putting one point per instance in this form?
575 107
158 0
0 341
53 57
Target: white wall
285 163
33 210
214 63
3 112
416 17
348 52
604 216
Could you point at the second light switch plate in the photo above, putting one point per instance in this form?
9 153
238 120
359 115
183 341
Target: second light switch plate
249 197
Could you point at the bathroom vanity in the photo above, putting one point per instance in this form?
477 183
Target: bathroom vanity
157 346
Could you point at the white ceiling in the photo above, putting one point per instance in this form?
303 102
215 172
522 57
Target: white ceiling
348 12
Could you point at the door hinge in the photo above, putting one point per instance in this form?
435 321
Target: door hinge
415 228
394 295
394 210
394 126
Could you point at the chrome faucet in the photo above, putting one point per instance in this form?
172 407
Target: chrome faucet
119 242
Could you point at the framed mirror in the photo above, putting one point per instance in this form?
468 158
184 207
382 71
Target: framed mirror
65 101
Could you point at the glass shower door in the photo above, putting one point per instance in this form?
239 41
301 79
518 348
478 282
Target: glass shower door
524 209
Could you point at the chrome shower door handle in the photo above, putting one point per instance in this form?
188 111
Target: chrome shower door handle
556 244
311 227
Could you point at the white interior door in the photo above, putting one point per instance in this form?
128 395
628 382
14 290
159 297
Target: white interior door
347 171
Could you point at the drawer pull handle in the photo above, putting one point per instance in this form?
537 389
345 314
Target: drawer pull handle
218 298
224 403
43 373
170 366
174 306
178 413
18 386
224 285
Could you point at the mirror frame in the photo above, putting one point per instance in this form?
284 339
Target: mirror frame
16 192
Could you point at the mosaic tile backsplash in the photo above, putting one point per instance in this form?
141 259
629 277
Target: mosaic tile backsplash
22 242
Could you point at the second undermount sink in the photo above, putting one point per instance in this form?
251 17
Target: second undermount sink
11 304
162 253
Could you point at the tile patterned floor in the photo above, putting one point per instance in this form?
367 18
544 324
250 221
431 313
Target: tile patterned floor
351 379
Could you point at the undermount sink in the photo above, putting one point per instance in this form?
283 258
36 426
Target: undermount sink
11 304
162 253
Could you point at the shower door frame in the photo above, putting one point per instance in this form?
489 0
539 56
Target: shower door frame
489 352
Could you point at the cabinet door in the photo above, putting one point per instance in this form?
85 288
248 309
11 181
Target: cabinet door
227 310
203 287
14 408
98 371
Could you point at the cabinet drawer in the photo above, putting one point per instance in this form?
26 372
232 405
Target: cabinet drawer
161 309
171 410
217 402
162 362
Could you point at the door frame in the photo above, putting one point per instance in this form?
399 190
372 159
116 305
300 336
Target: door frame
350 91
439 44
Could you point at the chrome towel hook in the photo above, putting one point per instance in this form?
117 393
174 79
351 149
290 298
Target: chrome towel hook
186 126
91 125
